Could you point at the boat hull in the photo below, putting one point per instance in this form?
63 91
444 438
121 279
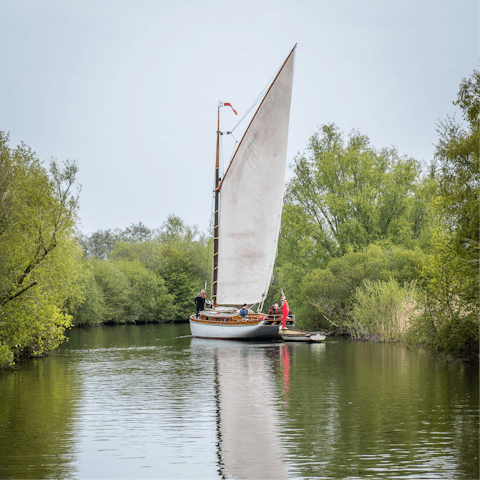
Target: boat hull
232 331
222 326
301 336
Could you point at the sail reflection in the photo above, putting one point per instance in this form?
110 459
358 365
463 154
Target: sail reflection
248 430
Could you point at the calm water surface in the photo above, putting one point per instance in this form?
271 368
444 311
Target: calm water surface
149 401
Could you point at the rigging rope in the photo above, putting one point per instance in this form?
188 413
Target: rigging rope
234 145
254 103
247 112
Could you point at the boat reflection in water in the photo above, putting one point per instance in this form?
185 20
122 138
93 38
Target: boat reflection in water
248 429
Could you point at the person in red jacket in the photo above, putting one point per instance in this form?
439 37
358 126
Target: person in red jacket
274 310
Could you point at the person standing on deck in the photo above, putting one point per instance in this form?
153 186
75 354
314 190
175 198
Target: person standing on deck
200 301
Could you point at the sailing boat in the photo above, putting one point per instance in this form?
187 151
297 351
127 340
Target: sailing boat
248 208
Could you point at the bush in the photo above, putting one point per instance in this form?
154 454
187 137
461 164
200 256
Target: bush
150 301
328 292
382 311
91 310
6 355
446 327
116 291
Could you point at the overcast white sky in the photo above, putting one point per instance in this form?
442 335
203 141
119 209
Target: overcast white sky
130 88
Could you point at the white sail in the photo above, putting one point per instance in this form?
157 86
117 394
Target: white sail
251 198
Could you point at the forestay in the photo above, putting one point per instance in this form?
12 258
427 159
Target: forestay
251 198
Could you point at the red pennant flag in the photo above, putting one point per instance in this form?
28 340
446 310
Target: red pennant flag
230 105
285 309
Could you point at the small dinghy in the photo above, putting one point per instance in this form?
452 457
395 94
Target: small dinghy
290 335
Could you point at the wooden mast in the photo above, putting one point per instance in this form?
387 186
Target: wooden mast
215 228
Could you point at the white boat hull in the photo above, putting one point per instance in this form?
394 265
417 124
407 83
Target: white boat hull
226 323
211 330
301 336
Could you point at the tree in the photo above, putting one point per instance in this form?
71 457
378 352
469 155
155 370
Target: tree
457 161
347 194
449 322
177 255
97 245
117 292
136 233
38 255
91 310
179 272
151 301
174 232
451 281
148 253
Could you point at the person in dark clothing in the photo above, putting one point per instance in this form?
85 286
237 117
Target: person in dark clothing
243 311
200 301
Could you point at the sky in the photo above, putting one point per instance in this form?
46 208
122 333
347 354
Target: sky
130 88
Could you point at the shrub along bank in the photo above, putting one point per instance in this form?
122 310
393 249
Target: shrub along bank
142 276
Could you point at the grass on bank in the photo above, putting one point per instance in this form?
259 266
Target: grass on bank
389 312
382 311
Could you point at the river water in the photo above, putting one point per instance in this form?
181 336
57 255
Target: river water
149 401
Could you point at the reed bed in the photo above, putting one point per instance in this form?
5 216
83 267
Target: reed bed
382 311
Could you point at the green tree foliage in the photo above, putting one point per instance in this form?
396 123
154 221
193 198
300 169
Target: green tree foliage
327 293
116 291
148 253
451 282
121 292
181 272
39 259
143 275
150 300
178 270
91 310
100 243
97 245
175 233
457 161
449 323
136 233
347 194
186 251
450 319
